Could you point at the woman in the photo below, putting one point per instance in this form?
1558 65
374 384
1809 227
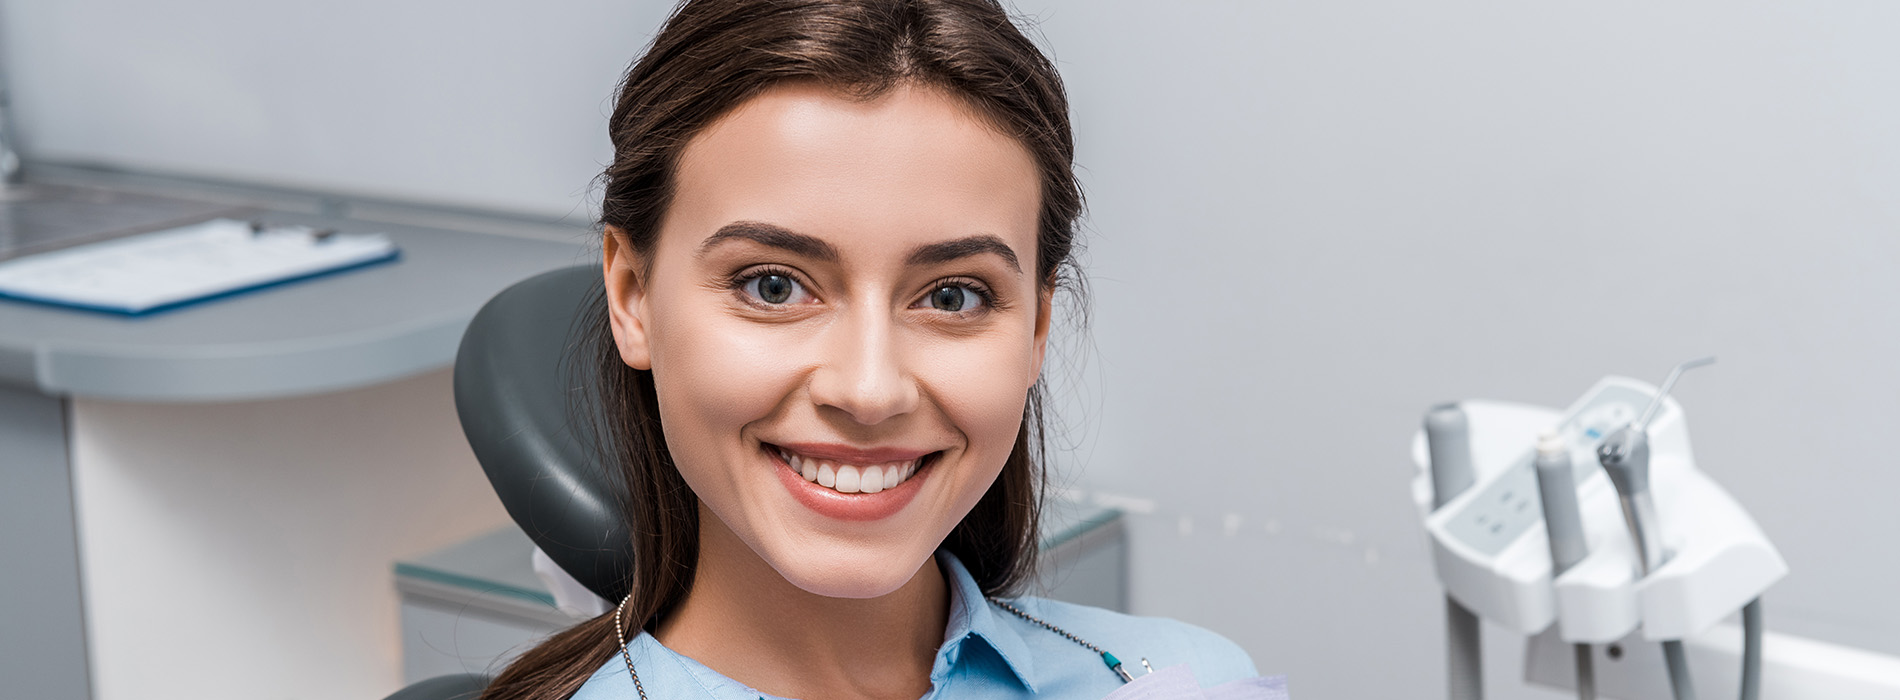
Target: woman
832 232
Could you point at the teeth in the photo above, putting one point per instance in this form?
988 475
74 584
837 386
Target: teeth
847 479
851 478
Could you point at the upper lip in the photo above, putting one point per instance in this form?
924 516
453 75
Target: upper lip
852 454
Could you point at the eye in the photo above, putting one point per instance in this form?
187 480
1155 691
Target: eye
775 289
954 298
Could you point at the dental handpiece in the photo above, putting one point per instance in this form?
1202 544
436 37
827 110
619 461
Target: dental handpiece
1563 519
1563 522
1448 440
1625 457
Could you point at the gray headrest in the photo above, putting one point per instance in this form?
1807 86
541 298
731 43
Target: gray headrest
519 377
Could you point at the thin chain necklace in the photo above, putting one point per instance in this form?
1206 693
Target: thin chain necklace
620 633
1114 664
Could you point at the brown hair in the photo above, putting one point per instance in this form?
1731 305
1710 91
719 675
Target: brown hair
711 56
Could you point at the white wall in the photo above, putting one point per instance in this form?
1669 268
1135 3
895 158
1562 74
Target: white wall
276 541
488 104
1310 220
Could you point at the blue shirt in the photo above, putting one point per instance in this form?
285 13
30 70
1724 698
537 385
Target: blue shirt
987 653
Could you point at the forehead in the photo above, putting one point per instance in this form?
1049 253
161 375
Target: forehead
913 165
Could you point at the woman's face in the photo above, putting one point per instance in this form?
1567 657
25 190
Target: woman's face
843 320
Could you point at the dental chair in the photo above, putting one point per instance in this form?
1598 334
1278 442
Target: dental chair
521 392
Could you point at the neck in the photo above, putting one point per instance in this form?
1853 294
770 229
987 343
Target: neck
747 622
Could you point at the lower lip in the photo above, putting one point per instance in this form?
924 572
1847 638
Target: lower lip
848 506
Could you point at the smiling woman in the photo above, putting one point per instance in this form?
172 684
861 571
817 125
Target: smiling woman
831 236
820 298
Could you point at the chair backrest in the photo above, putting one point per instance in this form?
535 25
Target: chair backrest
519 384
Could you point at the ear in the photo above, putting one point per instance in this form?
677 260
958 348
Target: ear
626 298
1044 309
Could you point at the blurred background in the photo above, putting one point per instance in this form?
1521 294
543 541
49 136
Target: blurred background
1307 223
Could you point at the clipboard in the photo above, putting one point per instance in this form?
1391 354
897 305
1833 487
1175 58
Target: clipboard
153 272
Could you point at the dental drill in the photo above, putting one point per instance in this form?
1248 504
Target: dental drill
1447 437
1625 457
1563 523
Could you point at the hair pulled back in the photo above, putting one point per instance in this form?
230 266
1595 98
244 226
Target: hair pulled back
710 56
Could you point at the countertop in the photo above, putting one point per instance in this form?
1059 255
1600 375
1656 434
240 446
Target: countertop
329 333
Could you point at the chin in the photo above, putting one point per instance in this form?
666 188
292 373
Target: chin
846 571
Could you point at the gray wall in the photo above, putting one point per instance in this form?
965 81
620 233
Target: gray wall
486 103
1314 219
1309 221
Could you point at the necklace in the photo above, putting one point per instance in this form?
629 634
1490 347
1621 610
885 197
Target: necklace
1114 664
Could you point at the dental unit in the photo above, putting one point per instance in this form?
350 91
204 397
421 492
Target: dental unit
1530 534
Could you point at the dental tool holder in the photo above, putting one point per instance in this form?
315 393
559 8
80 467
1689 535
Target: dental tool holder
1491 553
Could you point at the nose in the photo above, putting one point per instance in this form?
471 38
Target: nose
864 375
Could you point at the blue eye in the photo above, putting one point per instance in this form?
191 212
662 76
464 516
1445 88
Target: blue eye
775 289
953 298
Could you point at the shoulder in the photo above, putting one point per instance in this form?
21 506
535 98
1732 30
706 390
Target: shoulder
663 674
1162 641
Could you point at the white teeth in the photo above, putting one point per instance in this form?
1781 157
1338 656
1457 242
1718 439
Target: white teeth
847 479
850 478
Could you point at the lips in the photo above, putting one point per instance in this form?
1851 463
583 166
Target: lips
851 484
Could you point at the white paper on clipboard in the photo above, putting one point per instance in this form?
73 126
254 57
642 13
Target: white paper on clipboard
162 269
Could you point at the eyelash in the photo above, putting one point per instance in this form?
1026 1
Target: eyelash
982 292
738 282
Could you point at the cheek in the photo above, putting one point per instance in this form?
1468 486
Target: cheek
714 376
981 387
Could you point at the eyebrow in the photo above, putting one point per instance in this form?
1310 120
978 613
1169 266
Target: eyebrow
813 247
936 253
774 236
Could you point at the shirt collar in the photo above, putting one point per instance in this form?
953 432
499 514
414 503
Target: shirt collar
973 617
